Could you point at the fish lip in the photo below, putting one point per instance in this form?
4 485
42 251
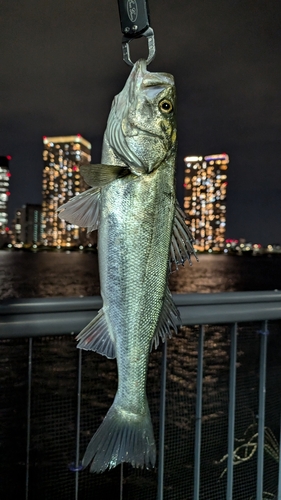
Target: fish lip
141 66
152 134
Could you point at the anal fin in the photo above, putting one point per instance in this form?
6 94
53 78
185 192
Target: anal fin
167 321
96 337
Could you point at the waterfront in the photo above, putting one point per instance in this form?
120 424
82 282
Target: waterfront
54 377
52 274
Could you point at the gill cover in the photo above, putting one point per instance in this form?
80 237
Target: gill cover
141 128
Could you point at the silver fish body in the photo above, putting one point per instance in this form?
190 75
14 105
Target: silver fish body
141 230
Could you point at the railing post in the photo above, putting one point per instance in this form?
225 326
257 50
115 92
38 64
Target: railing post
121 480
77 461
231 411
160 488
262 394
77 466
29 377
198 414
279 475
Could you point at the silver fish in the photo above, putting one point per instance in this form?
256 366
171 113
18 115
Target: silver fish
142 233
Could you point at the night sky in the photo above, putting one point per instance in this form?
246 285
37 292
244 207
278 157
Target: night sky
61 65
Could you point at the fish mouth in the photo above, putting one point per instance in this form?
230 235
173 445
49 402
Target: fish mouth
151 79
148 80
140 68
147 132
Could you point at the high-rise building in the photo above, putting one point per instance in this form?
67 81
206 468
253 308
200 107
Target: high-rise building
27 225
205 183
16 238
62 158
4 192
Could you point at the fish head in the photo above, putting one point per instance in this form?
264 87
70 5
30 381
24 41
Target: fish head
141 126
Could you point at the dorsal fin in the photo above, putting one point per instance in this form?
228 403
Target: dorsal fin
182 240
168 320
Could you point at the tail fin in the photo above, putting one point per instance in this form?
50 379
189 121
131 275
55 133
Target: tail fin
122 437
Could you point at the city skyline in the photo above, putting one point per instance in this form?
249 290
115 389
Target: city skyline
204 203
61 68
76 139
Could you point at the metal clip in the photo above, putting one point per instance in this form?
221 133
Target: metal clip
149 34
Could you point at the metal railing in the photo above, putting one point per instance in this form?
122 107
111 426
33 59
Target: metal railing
29 318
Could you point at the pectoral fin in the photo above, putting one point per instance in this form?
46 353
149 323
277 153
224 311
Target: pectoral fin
96 337
82 210
182 240
168 320
100 175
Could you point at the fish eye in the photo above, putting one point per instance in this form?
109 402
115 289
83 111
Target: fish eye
165 106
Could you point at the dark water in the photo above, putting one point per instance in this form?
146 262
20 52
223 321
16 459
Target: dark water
54 379
46 274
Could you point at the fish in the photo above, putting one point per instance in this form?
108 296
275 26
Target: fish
142 237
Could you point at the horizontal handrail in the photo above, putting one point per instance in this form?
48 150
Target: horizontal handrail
50 304
68 315
62 315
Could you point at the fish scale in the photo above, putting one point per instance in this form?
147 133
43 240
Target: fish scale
133 308
142 234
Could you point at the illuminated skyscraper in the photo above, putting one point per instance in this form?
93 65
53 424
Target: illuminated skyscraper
26 226
4 192
205 185
62 158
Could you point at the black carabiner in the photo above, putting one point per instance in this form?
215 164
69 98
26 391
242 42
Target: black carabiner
135 23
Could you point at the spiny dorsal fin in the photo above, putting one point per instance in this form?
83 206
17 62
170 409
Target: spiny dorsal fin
182 240
82 210
96 337
100 175
168 320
